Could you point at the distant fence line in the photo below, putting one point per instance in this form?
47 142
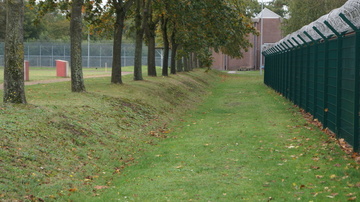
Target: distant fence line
94 55
318 68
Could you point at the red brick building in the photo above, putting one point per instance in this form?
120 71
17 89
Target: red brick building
251 59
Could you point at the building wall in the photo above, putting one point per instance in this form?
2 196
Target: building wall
272 34
251 58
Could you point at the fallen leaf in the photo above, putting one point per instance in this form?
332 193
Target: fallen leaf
352 198
315 158
101 187
30 197
72 190
357 159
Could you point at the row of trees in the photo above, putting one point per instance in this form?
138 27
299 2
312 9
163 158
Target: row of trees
55 26
190 29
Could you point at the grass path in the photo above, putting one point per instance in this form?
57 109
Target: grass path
243 143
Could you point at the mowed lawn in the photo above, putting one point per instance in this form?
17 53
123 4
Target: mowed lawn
49 73
244 143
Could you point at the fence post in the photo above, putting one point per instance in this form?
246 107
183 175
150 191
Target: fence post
40 57
314 72
326 59
356 83
284 58
299 68
307 73
338 81
282 69
288 59
292 62
356 89
278 68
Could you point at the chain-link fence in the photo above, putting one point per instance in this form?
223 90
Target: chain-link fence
318 68
94 54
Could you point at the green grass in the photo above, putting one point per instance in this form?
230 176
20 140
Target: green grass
135 143
47 73
244 143
63 141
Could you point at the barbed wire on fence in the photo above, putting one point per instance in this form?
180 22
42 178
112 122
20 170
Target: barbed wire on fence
339 21
318 69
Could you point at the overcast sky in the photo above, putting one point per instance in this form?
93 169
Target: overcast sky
264 1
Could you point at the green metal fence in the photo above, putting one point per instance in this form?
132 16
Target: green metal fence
321 76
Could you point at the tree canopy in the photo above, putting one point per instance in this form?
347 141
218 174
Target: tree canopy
303 12
196 27
280 7
217 24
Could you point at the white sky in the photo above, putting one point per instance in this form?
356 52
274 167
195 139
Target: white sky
264 1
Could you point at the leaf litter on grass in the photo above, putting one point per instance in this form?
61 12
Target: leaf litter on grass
261 150
54 149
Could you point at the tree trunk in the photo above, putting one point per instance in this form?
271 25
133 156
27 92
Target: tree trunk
150 28
195 61
180 62
77 80
120 10
165 67
179 65
139 41
14 91
151 56
190 61
186 64
116 60
174 46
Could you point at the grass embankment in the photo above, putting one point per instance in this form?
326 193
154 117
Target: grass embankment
244 142
65 143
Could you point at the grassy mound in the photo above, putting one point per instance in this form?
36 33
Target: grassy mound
63 142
